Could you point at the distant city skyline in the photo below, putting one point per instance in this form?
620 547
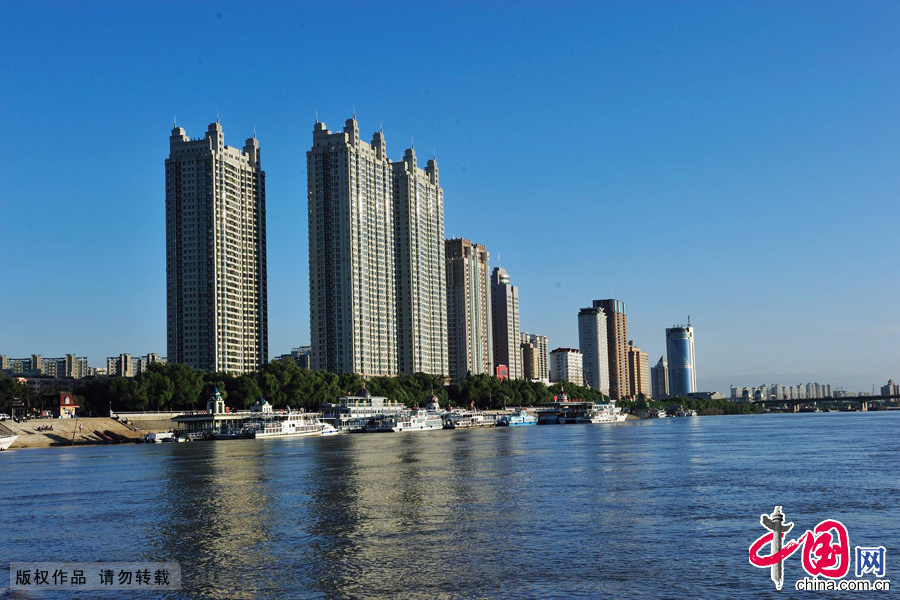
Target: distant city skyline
752 144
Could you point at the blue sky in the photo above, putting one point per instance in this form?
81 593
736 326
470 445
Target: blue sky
738 162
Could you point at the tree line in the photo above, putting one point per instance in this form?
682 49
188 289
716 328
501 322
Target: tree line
177 387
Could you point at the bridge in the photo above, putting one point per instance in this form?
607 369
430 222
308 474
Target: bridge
864 402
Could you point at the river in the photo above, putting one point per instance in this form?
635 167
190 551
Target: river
663 508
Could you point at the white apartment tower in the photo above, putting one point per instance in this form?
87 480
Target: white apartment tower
421 285
468 309
592 338
566 364
215 253
505 322
352 302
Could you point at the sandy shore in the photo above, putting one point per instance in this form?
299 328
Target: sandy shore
66 432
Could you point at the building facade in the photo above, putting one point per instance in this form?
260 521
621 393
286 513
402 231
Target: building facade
124 365
530 361
542 354
68 366
505 323
891 389
566 365
638 372
352 301
420 262
216 253
593 342
680 352
468 309
659 379
617 345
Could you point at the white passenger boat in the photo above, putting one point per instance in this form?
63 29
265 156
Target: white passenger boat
418 420
291 424
6 442
603 413
351 414
459 419
161 437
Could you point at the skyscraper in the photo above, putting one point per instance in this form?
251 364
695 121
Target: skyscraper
468 309
592 338
216 253
352 302
617 343
659 378
638 371
680 350
420 263
505 322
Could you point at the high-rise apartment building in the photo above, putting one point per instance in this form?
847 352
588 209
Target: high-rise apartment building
617 343
680 352
421 284
659 379
541 355
352 300
638 371
216 253
566 364
593 342
468 309
505 322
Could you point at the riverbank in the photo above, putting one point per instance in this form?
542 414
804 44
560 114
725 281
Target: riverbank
68 432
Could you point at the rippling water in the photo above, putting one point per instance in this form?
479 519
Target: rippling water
643 509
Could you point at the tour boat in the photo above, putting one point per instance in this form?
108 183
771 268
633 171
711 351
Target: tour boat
293 425
6 442
603 413
458 419
351 414
419 420
520 417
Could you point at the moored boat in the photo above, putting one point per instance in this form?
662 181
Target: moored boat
519 417
6 442
460 419
292 424
603 413
418 420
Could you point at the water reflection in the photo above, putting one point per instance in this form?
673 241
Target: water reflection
218 523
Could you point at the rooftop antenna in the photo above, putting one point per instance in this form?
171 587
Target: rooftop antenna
254 131
689 320
317 117
175 121
354 112
499 264
217 116
413 142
